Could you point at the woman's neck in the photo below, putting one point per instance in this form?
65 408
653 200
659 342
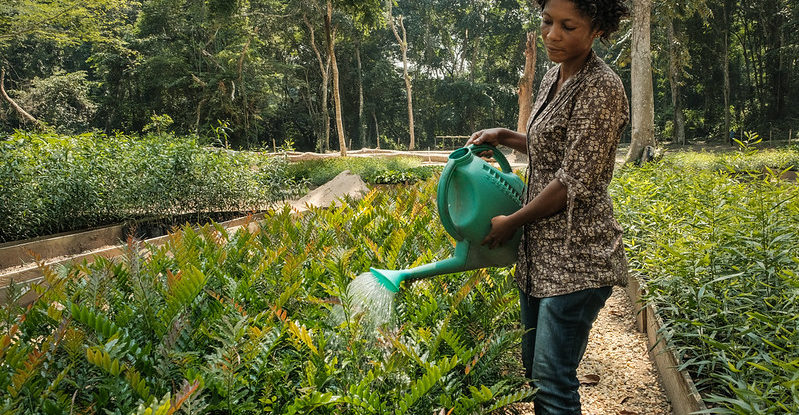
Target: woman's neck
571 67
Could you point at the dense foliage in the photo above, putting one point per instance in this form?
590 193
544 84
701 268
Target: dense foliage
717 253
252 66
51 183
738 162
257 321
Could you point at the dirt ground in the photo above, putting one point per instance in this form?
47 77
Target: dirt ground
617 375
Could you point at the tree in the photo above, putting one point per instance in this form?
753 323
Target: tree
65 22
61 100
21 111
643 108
671 14
526 82
323 142
364 15
403 44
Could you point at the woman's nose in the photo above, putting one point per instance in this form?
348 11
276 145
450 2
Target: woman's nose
553 33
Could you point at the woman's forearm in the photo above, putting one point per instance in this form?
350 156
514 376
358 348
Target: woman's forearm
496 136
514 140
550 201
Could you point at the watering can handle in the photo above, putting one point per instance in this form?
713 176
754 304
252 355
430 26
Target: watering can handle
498 156
443 186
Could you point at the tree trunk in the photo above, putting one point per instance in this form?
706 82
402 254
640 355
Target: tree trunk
675 69
643 105
199 113
244 99
361 123
323 142
403 43
22 113
377 129
725 65
750 95
330 31
526 83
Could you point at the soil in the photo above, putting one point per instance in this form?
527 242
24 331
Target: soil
617 375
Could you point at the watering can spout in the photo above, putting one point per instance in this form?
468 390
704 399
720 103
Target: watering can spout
392 279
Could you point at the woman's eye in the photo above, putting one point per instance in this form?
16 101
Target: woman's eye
547 22
568 28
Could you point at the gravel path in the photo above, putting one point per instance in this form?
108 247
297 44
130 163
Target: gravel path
617 375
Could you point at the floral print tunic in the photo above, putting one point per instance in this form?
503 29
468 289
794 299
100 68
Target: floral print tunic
573 138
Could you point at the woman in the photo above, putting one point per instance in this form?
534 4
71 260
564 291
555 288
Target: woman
571 253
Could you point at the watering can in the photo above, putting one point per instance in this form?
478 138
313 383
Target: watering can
470 193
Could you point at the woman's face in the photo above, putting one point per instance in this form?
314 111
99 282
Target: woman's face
567 33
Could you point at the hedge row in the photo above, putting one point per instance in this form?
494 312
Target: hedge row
51 183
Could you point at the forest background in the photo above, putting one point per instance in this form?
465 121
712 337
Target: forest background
325 74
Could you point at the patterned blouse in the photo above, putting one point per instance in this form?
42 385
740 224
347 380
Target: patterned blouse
573 138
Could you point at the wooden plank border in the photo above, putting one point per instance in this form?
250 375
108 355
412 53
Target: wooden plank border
30 272
19 254
680 388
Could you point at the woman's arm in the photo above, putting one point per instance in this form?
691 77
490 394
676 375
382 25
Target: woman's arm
550 201
496 136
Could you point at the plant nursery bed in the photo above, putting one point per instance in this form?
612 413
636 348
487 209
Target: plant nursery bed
19 261
20 253
679 387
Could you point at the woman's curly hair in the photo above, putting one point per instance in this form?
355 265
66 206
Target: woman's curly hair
604 14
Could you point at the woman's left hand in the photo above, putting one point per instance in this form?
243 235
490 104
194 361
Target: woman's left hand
502 229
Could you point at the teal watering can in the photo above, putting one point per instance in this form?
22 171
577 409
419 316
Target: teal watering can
470 193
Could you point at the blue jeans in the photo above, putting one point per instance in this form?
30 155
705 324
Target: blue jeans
552 350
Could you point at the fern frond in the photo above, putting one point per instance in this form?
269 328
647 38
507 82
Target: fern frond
404 349
94 320
138 384
361 394
467 287
6 339
54 287
161 407
303 335
183 289
25 372
512 398
103 360
185 392
373 248
425 310
307 403
423 385
393 245
453 340
493 348
288 293
57 381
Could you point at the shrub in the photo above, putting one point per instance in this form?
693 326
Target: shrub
51 183
737 161
62 100
719 260
373 169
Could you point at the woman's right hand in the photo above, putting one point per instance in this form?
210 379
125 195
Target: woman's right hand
492 136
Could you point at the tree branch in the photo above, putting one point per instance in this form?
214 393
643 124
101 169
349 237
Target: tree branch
22 113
